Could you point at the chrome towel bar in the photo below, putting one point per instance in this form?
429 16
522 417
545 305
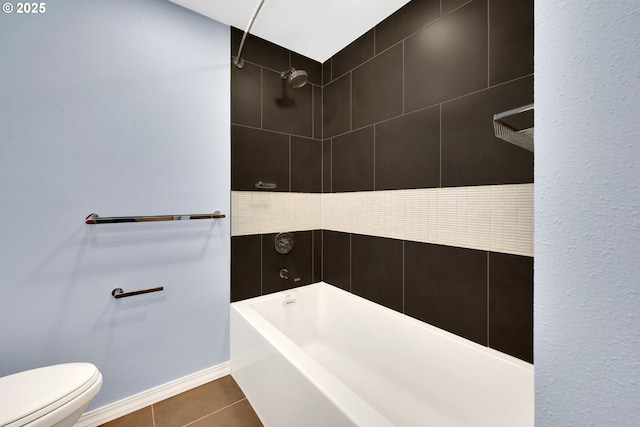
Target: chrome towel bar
120 293
96 219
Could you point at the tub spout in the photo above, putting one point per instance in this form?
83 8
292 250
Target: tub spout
284 274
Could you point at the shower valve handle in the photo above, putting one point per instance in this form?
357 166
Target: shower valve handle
284 274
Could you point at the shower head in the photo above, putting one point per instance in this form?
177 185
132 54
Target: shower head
296 78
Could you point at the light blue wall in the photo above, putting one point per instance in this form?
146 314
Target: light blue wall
587 213
117 107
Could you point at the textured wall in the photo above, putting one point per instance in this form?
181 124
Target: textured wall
119 108
587 213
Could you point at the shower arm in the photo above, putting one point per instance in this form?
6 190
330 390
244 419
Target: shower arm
237 60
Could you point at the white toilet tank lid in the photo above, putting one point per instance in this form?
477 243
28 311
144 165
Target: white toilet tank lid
28 392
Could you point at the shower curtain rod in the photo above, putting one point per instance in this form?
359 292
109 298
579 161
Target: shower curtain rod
237 60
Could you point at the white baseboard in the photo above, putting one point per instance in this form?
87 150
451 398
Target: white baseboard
153 395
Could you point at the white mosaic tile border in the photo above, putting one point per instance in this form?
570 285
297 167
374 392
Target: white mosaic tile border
496 218
254 212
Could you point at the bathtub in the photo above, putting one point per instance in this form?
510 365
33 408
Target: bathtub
318 356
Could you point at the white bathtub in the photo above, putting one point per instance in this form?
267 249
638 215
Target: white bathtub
318 356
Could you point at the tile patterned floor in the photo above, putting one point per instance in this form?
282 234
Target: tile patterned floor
219 403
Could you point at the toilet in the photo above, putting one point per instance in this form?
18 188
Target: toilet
53 396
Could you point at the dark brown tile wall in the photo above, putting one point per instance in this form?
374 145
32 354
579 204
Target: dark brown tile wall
354 54
486 297
317 255
313 68
326 166
256 265
510 40
259 155
471 154
247 98
285 109
448 58
299 263
336 107
417 113
276 137
376 80
410 18
447 287
468 61
408 151
246 267
306 170
352 161
449 5
317 112
259 51
376 269
511 304
269 119
336 259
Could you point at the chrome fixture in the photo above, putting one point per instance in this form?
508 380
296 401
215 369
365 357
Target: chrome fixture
94 218
296 78
237 60
286 275
515 126
265 185
284 243
120 293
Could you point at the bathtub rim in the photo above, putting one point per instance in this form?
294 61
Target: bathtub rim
356 409
244 306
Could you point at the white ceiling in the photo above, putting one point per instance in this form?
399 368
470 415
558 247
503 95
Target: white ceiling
317 29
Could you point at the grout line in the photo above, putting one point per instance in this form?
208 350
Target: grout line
407 37
350 101
331 166
487 298
261 100
322 254
261 293
274 131
426 107
374 40
481 90
374 157
289 58
289 163
350 258
330 70
488 42
431 106
153 416
403 79
322 113
440 145
322 168
403 309
313 112
214 412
